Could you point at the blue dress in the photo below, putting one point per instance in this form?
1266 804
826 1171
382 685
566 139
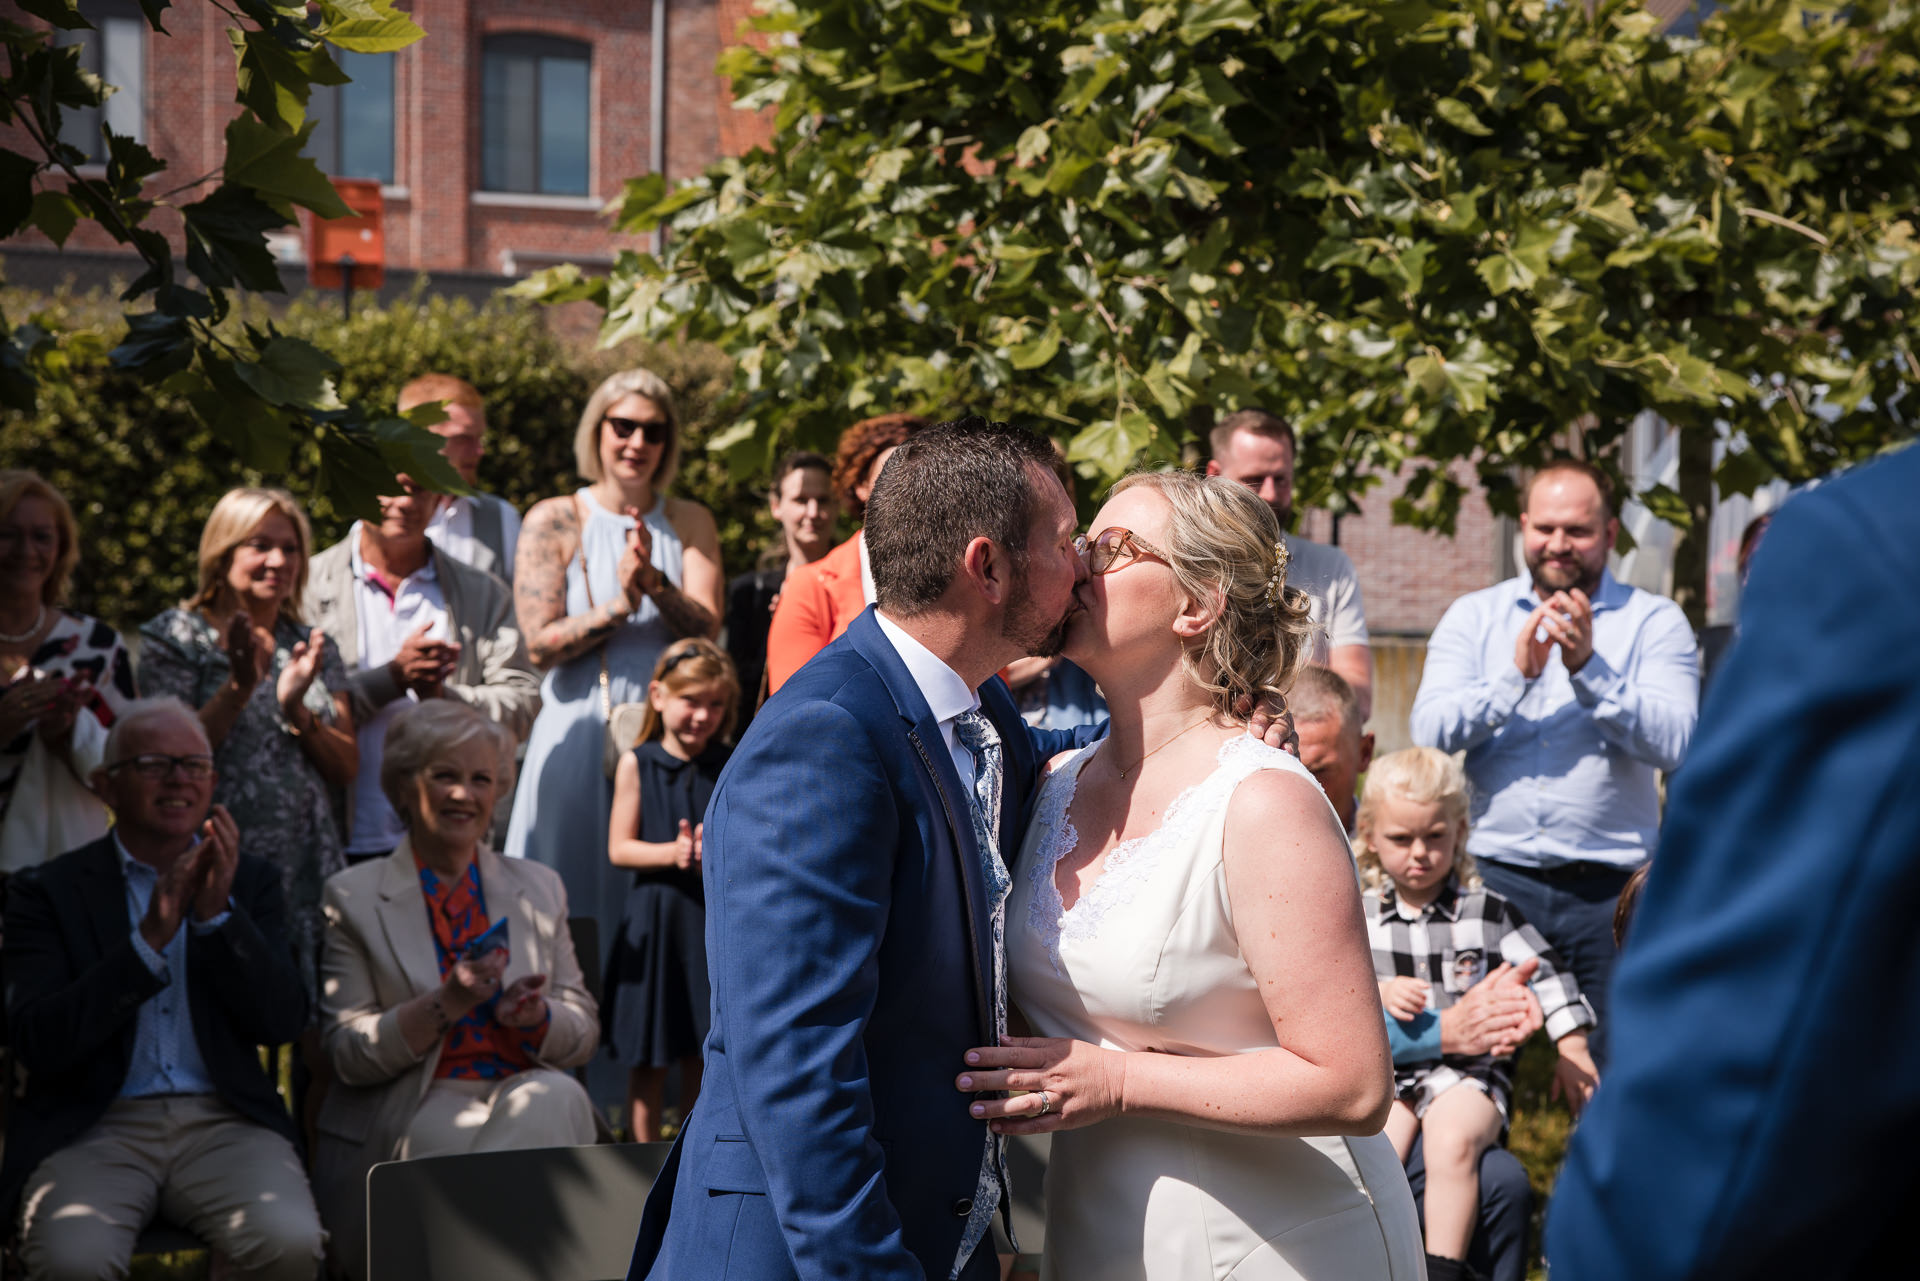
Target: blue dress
657 1002
564 799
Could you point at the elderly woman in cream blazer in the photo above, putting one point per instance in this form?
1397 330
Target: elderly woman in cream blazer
441 1042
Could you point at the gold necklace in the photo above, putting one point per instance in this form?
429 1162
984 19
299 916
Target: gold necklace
1143 760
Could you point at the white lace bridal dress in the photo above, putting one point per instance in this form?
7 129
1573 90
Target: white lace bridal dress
1147 960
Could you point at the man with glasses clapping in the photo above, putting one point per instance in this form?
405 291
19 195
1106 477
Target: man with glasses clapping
143 972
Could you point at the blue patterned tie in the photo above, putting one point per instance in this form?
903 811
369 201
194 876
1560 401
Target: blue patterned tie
977 734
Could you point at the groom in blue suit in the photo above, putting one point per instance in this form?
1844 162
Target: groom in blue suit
856 856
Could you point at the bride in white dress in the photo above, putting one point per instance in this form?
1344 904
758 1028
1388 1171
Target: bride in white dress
1185 938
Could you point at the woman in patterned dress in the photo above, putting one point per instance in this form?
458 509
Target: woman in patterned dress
271 692
63 678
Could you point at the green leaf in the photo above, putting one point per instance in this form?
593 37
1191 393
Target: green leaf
1034 354
55 213
156 345
1198 21
291 372
152 9
1461 117
373 27
269 161
416 453
276 82
226 239
64 14
1112 445
559 284
1033 144
16 191
1666 505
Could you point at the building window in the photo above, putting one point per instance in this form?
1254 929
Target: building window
353 123
116 51
534 115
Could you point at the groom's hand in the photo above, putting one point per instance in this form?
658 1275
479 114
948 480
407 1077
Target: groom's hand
1069 1084
1271 723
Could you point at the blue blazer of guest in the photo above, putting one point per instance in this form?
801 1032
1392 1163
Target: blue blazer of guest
851 959
1762 1109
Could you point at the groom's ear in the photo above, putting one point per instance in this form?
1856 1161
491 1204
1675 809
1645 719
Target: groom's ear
986 565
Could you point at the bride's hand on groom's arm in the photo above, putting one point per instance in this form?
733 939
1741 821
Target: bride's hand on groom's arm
1077 1083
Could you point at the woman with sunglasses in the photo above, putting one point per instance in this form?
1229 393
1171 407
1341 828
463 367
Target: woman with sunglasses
605 578
1184 937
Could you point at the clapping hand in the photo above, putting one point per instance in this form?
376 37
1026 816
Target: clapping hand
686 846
423 664
1574 1073
524 1003
220 843
636 574
1404 997
303 664
247 659
177 887
26 700
1564 619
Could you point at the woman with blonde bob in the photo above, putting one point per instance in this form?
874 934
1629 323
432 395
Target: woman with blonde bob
604 579
270 691
1184 935
63 678
452 1003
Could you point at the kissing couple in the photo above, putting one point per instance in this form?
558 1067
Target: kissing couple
898 869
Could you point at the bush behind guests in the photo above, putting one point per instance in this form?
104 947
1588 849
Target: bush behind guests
142 473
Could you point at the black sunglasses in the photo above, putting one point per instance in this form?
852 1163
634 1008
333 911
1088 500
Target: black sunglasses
654 431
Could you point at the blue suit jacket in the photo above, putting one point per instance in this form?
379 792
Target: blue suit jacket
1762 1108
851 960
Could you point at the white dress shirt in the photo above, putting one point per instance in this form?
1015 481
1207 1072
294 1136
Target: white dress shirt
385 623
451 530
947 695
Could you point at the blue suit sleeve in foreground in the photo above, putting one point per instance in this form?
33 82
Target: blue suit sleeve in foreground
1415 1041
1763 1076
798 891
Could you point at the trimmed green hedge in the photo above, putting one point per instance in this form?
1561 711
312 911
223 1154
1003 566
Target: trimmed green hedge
142 474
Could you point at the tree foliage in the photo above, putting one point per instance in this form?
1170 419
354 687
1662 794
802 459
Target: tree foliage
260 391
1424 230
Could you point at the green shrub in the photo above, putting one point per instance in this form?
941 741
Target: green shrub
142 474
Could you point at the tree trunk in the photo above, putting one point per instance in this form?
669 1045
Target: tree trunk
1692 549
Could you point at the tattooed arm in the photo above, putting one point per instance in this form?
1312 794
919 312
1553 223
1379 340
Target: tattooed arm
694 607
548 540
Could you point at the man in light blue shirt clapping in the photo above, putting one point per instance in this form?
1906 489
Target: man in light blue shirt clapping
1570 692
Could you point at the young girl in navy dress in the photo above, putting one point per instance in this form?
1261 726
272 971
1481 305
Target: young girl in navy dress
657 1005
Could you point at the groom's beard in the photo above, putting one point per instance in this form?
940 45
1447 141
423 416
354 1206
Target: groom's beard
1025 626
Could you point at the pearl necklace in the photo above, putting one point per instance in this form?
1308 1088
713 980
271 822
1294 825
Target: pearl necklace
39 617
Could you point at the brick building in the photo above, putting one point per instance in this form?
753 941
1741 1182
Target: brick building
497 140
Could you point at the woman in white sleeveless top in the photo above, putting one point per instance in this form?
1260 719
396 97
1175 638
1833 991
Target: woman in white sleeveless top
1185 938
608 575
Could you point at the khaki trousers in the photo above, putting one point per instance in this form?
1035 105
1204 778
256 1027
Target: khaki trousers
236 1185
540 1108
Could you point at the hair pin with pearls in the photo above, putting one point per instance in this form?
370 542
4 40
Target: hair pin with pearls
1277 576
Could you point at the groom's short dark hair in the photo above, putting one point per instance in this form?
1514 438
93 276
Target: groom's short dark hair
950 484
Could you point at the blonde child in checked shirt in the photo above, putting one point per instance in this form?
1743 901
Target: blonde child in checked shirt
1435 932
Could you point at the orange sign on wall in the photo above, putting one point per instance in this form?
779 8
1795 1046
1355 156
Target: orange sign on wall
359 241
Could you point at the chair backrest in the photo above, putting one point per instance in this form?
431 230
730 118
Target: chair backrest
585 932
539 1214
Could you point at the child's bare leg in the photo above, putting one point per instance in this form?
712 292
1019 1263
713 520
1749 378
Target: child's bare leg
1402 1128
1460 1125
646 1095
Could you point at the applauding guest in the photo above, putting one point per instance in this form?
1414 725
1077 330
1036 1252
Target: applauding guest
62 675
272 695
658 997
143 973
607 577
1569 692
452 998
414 623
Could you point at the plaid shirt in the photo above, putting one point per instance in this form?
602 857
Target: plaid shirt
1452 942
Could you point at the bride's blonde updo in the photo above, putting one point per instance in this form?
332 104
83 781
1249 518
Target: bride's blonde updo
1223 544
